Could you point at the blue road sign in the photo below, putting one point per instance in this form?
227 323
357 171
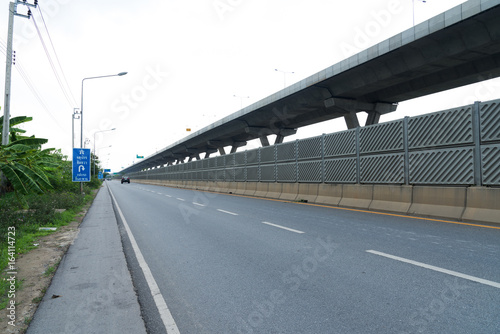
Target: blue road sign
107 170
81 165
99 176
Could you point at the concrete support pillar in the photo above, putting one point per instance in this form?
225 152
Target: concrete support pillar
222 151
373 118
264 141
349 108
351 120
279 139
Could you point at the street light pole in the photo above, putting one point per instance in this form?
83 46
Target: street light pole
241 99
73 117
94 144
81 108
284 76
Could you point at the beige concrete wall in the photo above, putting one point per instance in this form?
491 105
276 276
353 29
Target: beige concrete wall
307 192
480 204
446 202
391 198
289 191
274 190
483 204
329 194
357 196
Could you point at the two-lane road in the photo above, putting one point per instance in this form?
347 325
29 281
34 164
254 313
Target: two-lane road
233 264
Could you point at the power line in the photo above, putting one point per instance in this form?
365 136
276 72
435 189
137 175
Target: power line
57 58
26 78
54 70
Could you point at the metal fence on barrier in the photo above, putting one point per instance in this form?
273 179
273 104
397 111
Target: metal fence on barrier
459 146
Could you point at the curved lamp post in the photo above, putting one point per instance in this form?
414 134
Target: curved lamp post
81 108
94 144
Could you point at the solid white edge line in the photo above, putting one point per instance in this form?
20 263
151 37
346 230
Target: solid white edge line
161 305
228 212
283 227
441 270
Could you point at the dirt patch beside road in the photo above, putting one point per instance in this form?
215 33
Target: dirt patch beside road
35 269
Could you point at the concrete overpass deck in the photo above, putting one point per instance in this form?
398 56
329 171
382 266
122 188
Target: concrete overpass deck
458 47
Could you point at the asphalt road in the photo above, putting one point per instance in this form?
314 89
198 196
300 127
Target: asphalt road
233 264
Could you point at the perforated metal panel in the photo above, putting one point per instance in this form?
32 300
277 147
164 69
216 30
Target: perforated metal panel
340 143
490 121
449 166
309 148
212 175
309 171
229 175
385 168
252 157
285 152
381 137
342 170
240 174
220 174
221 161
240 158
267 154
252 173
286 172
267 173
490 160
229 160
444 128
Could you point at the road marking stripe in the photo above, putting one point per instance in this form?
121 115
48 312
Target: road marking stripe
168 195
198 204
357 210
161 305
441 270
228 212
180 199
283 227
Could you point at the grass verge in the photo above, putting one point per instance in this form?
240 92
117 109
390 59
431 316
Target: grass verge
44 212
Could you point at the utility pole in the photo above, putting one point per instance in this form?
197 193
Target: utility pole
8 68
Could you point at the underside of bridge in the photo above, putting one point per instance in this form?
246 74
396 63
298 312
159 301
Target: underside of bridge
453 49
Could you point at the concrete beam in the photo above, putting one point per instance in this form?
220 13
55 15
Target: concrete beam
264 141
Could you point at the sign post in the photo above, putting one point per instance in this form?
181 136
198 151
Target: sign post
81 164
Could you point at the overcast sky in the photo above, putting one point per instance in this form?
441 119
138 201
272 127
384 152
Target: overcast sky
186 60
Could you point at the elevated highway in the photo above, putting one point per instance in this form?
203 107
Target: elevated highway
458 47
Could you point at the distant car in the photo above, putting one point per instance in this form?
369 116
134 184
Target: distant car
125 179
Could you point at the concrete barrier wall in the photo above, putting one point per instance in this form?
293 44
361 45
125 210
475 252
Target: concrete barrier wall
479 204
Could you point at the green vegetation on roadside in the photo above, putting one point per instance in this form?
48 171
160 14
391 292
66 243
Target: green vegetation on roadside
35 184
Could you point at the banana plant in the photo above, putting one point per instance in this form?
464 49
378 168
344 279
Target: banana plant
23 163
